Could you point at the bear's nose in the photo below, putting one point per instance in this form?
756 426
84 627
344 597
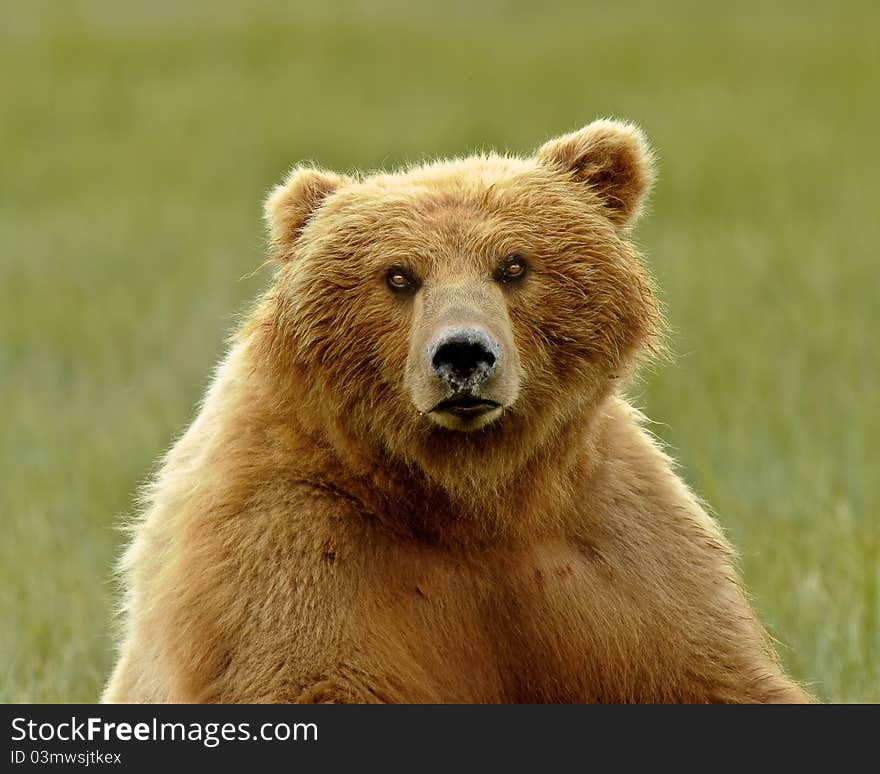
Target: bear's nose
463 358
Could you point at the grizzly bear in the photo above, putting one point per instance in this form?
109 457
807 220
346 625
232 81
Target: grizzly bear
415 477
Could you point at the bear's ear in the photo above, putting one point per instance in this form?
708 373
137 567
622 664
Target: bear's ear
612 158
290 205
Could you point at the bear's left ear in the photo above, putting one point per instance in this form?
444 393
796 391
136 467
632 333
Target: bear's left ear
290 205
612 158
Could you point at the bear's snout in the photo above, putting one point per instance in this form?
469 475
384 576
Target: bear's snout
463 358
462 368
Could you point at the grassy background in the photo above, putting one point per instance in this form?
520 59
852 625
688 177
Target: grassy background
137 142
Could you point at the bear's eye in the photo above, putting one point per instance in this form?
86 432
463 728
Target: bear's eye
513 268
398 279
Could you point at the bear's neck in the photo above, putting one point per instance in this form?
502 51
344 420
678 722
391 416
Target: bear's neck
438 504
505 488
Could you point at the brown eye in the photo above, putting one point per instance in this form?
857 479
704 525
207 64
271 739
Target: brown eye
398 279
513 269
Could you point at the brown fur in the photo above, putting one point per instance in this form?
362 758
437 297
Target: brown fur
318 534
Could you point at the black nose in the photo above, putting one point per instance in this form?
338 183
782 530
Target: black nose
463 357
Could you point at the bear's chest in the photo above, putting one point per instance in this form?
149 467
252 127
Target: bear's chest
513 625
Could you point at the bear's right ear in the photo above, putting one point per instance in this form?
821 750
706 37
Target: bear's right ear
290 205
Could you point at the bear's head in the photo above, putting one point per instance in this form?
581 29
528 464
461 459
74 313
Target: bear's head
456 315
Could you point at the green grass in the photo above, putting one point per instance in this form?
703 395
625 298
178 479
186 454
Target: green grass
137 145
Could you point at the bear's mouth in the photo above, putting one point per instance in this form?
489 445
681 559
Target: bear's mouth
466 406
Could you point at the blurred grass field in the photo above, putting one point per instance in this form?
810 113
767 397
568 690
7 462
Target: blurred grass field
136 144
